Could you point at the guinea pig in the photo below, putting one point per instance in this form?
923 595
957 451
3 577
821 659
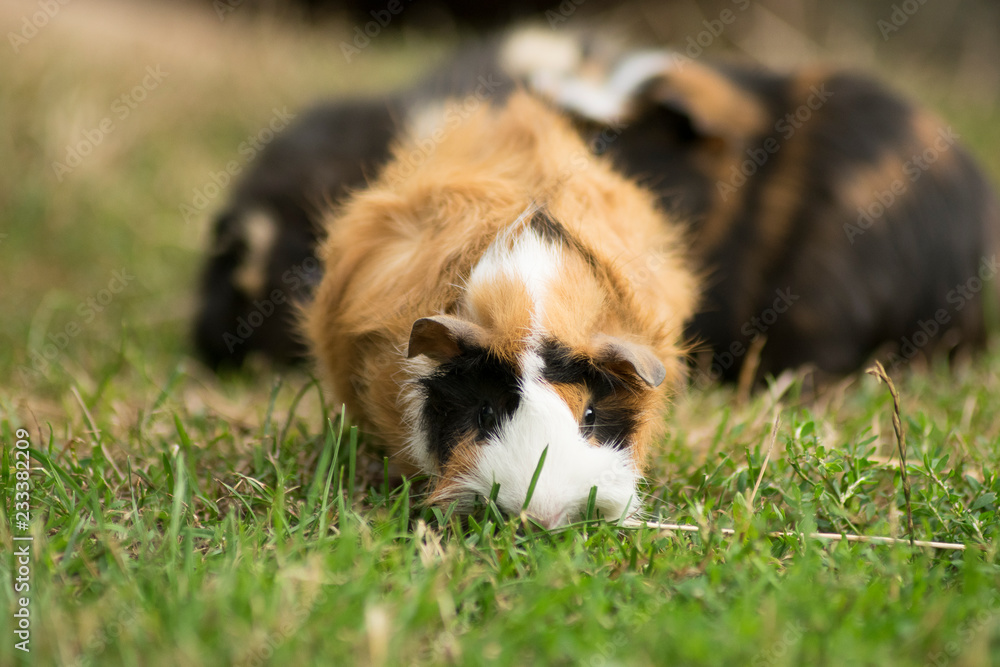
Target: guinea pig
508 296
262 258
833 218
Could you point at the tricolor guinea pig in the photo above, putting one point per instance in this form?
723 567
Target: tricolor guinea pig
509 295
832 217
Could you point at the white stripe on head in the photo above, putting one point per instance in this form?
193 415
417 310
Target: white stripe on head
522 255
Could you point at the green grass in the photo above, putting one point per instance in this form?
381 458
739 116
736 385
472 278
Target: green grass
180 518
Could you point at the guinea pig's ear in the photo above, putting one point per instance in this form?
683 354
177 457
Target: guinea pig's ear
629 359
715 104
443 337
640 83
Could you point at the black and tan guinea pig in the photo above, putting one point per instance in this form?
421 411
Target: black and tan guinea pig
509 295
262 253
831 217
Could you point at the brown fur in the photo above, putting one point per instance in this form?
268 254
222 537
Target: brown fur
462 461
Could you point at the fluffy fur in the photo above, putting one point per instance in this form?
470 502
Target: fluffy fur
834 219
508 294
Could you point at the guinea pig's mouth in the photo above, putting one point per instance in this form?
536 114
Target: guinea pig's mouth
546 507
477 504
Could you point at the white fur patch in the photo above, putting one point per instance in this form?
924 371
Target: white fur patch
520 255
604 100
426 119
411 404
572 464
532 50
259 232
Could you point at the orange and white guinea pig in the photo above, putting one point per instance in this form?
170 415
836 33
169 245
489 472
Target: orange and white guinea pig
500 293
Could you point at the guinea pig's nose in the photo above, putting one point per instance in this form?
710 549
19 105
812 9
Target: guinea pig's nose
549 520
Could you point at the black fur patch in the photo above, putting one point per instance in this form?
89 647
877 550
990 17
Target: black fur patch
553 231
456 393
616 417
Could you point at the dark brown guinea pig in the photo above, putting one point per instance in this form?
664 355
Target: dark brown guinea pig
833 218
262 253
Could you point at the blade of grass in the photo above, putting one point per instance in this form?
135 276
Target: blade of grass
534 478
591 503
177 506
295 404
352 444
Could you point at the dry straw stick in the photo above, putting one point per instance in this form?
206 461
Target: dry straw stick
767 457
879 372
872 539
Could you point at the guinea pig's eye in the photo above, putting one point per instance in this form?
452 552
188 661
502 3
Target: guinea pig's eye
487 418
589 419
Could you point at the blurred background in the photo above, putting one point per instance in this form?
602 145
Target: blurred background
118 119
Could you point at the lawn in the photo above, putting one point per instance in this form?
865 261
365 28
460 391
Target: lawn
178 518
